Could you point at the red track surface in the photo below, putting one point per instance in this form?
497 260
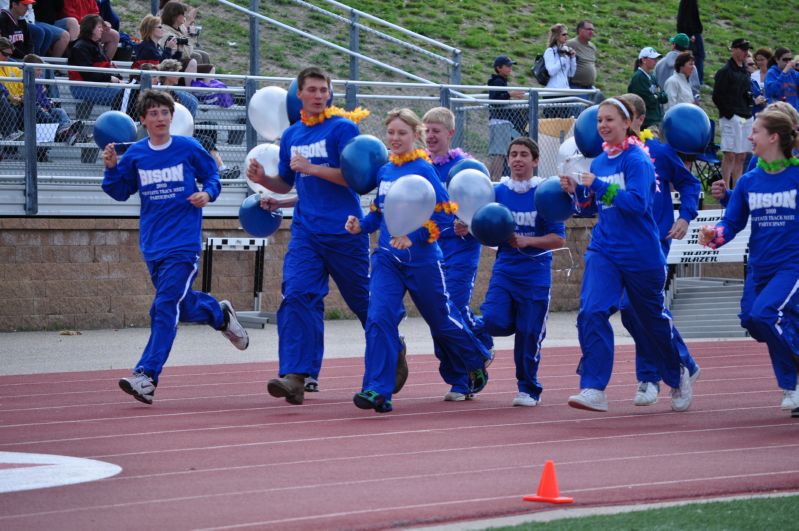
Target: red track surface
215 451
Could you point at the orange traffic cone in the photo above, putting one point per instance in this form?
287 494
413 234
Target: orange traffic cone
548 487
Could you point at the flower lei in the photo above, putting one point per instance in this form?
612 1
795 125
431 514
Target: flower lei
778 165
448 207
373 207
645 135
399 160
433 229
440 160
356 115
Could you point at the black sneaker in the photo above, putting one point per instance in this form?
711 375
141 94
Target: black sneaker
795 413
372 400
478 378
402 367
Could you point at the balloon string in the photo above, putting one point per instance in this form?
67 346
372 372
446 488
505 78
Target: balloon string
395 257
568 270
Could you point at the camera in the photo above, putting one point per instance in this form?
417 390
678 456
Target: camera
182 41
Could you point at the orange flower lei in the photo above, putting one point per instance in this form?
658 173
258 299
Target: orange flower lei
399 160
449 207
433 229
373 207
356 115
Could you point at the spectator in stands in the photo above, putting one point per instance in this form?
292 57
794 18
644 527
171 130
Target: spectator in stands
173 17
645 85
762 58
504 123
87 51
782 78
14 27
585 51
758 93
732 94
678 85
48 112
664 69
108 14
689 23
78 9
46 38
10 112
150 51
560 60
51 12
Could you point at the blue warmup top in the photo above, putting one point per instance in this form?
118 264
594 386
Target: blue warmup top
322 206
781 86
530 263
771 202
165 178
670 170
421 251
626 232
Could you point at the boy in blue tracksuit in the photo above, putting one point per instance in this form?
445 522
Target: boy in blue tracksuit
768 196
411 263
310 152
624 255
669 171
518 294
164 170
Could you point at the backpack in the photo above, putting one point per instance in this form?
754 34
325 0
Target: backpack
222 99
540 70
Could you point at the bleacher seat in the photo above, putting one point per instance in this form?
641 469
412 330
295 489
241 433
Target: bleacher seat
707 164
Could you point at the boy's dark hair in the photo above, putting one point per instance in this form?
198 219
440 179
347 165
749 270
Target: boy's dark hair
682 59
527 142
314 72
155 98
87 25
33 58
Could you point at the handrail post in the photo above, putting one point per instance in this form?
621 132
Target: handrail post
532 117
153 7
255 46
455 73
355 74
249 132
29 117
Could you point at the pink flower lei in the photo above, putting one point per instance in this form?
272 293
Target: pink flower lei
440 160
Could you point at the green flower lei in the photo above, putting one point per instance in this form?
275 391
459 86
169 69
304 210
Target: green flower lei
610 194
777 165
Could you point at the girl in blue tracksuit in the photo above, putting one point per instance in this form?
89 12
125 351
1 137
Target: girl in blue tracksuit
411 263
768 196
624 255
165 170
669 171
518 294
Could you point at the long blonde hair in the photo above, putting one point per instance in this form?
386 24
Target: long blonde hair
554 34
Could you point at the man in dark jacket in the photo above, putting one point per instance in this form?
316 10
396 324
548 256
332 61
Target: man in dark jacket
732 94
504 122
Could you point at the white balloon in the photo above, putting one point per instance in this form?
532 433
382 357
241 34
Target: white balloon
182 122
269 156
409 204
567 149
267 112
470 189
574 165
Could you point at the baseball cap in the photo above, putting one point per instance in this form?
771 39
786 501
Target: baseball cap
648 52
27 2
742 44
681 40
503 60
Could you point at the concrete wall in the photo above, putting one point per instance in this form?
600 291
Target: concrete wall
88 273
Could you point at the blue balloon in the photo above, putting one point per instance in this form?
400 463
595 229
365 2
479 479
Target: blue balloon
551 202
493 224
686 128
465 164
114 127
360 160
257 221
586 134
294 105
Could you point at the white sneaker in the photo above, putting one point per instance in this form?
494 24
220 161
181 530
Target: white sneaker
311 385
647 394
139 386
590 399
790 399
454 396
524 399
681 397
233 329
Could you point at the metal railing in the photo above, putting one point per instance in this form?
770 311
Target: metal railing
43 174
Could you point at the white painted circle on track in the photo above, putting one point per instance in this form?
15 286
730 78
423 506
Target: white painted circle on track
21 471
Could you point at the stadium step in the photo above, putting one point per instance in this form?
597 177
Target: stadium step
705 308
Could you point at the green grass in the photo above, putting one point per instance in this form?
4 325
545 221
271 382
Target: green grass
744 515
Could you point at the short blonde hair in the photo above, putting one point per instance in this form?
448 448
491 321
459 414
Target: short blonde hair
410 118
787 108
148 25
440 115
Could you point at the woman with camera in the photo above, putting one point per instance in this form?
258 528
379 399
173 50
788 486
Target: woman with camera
560 60
150 51
173 17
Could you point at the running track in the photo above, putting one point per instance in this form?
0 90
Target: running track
216 452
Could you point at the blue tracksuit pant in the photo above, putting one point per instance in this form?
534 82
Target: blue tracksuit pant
310 260
645 370
516 307
770 312
603 285
174 302
452 338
